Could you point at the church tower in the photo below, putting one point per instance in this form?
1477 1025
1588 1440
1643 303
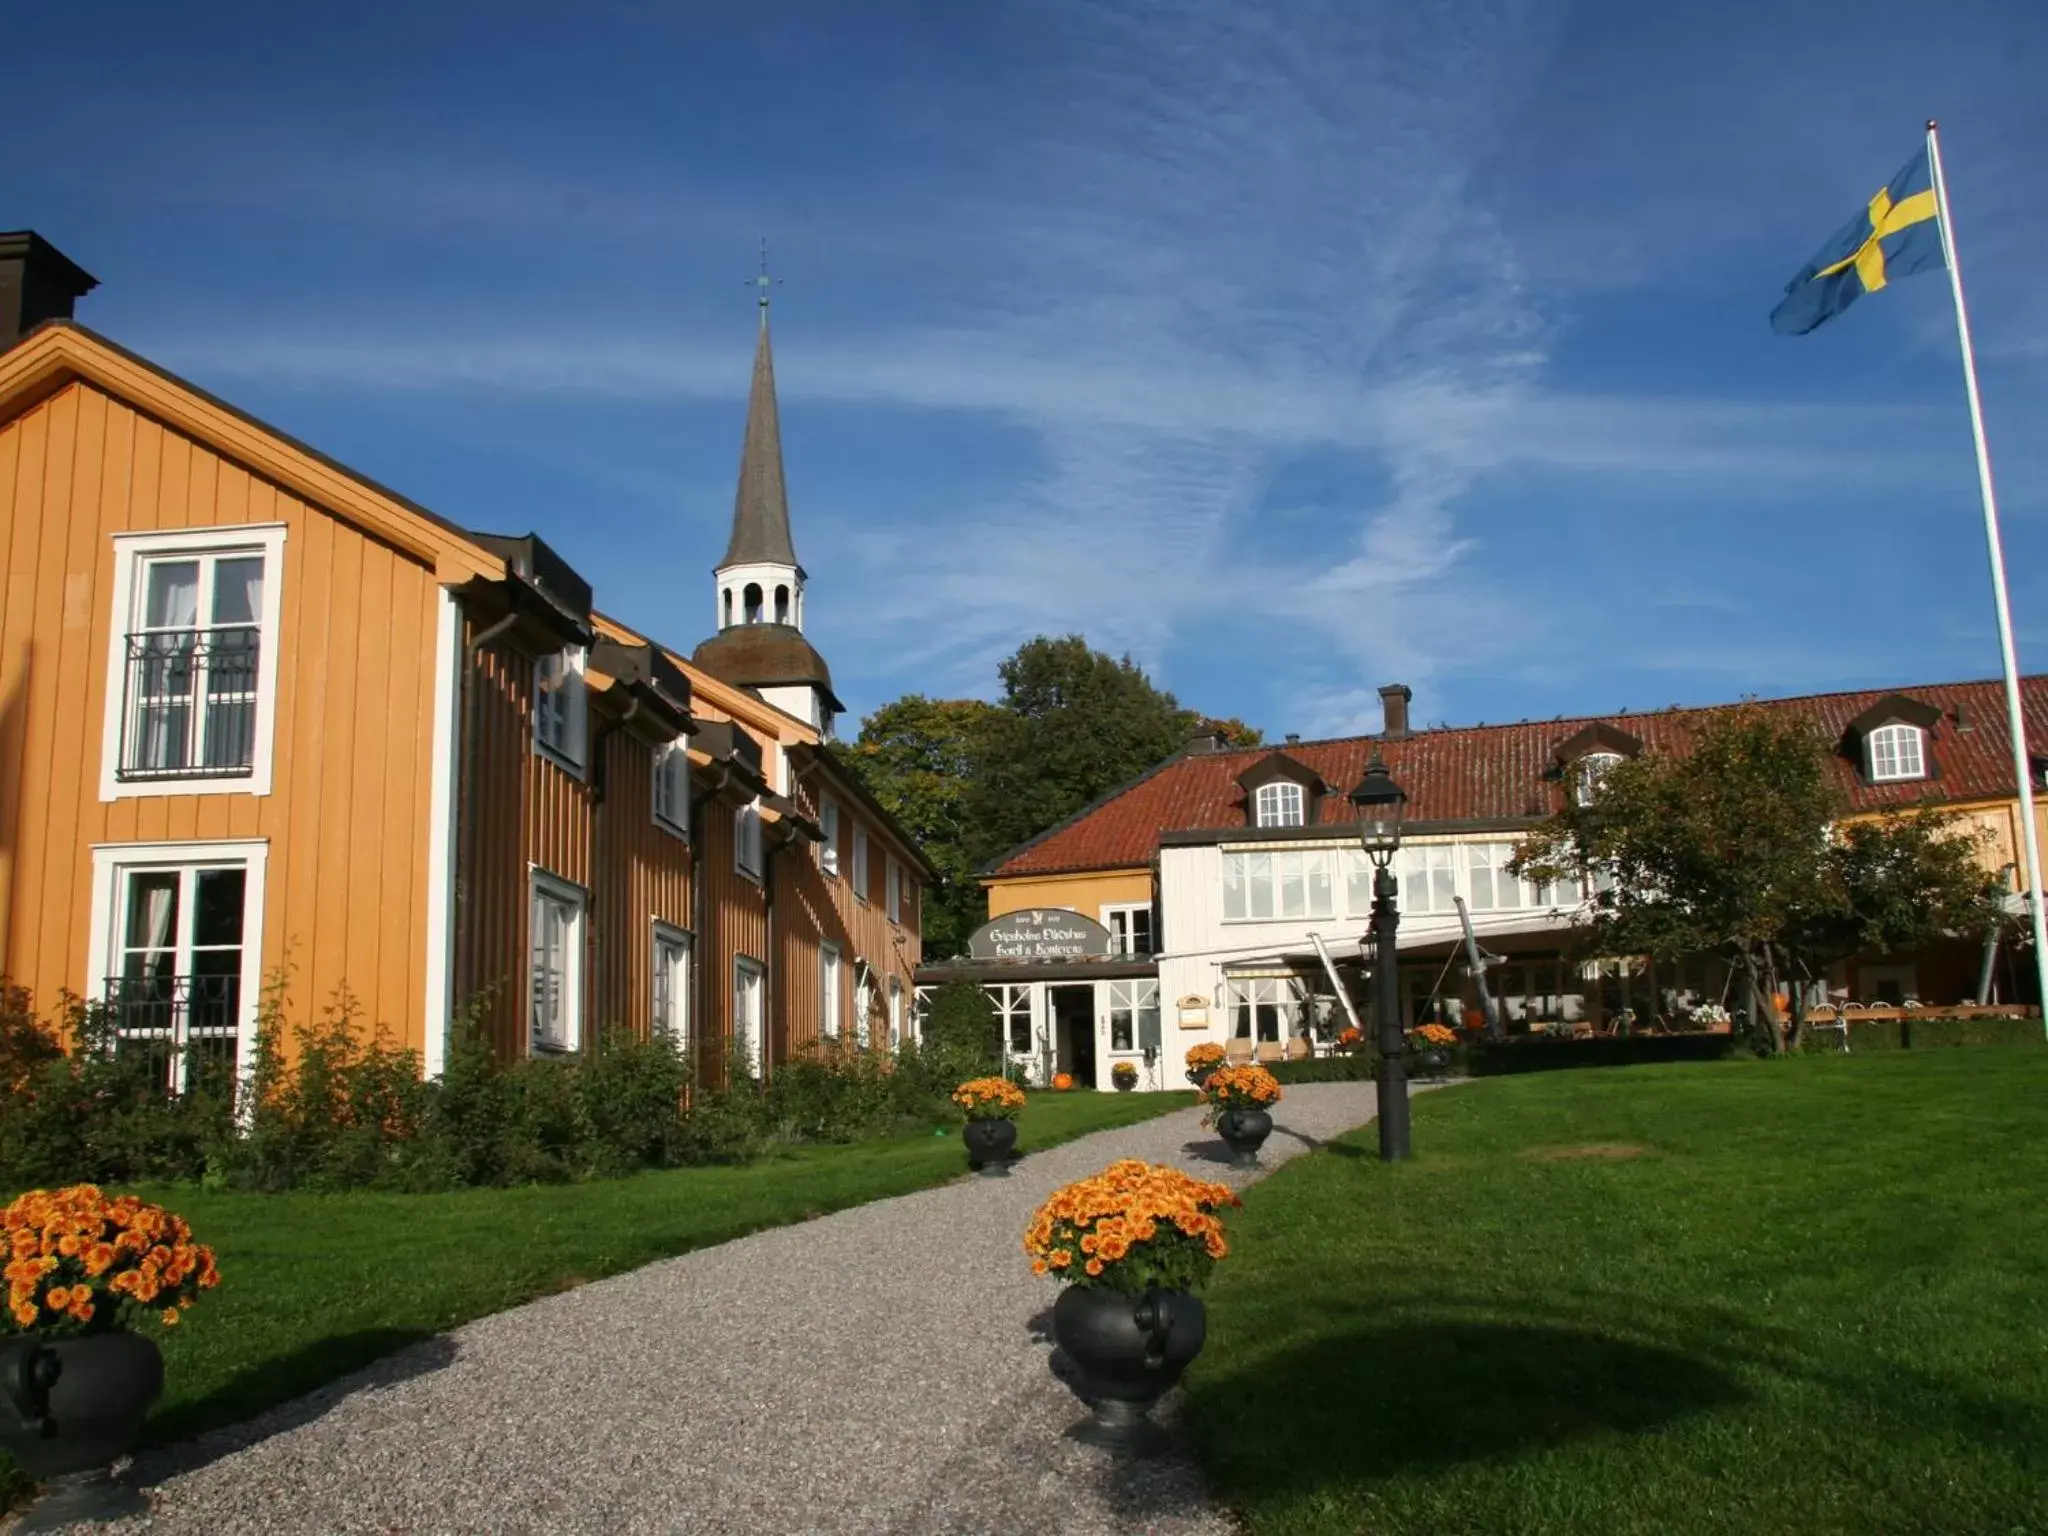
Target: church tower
759 586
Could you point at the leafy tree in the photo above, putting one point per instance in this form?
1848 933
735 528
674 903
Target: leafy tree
1074 724
971 780
1733 847
918 757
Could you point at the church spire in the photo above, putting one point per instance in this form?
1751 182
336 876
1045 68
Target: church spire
760 511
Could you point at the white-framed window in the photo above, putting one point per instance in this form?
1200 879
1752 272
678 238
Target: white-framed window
1263 1008
1259 887
1429 878
1130 927
892 888
863 988
1013 1006
1279 804
1133 1014
746 840
860 861
828 990
1494 889
192 662
1588 772
748 981
672 985
555 968
895 1012
1897 752
828 850
175 938
672 788
561 708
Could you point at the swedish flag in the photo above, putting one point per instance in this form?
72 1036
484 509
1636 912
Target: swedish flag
1897 235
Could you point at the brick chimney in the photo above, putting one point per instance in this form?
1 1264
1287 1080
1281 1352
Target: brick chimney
38 282
1394 699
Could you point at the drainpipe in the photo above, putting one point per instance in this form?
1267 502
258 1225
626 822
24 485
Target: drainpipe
466 817
700 936
594 943
771 970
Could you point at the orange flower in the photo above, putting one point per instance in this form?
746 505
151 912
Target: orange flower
170 1317
57 1298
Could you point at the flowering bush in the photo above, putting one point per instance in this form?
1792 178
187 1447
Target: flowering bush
1204 1056
1132 1226
1433 1037
1246 1087
79 1262
1709 1016
989 1098
1350 1038
1124 1072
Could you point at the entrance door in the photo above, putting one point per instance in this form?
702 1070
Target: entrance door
1073 1030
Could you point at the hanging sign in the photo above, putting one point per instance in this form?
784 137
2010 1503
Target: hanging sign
1040 933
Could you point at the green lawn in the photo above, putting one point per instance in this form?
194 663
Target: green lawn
1806 1295
314 1286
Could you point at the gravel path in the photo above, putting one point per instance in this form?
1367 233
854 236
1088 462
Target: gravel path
879 1370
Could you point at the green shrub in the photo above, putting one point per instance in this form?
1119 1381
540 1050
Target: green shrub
1540 1053
632 1095
1357 1066
962 1028
1913 1034
341 1113
97 1114
728 1120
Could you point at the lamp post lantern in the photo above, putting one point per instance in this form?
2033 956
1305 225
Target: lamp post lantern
1378 802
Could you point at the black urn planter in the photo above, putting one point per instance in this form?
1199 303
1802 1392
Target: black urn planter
1430 1063
1123 1084
991 1145
71 1408
1200 1075
1129 1351
1244 1131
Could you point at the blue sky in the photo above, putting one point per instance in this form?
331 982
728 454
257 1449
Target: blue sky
1294 348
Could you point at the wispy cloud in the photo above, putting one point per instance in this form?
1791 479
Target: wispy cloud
1193 245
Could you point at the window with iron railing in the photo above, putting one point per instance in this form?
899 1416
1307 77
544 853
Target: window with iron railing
176 988
187 1027
190 688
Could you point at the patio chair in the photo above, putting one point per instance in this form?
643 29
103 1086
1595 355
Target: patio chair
1269 1052
1237 1051
1299 1048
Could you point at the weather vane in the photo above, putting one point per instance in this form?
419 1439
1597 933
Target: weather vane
764 282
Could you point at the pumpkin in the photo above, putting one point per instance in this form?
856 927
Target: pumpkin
1063 1081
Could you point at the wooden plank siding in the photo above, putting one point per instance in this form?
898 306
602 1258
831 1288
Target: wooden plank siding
643 877
735 925
352 721
828 908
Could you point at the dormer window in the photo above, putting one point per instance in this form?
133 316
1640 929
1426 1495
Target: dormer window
1588 773
1893 741
1897 752
1281 792
1280 805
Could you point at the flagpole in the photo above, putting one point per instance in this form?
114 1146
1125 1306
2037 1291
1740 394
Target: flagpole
2015 715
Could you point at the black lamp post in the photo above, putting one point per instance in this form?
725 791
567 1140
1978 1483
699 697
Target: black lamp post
1378 801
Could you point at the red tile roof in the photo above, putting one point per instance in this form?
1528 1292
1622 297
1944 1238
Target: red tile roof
1489 772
